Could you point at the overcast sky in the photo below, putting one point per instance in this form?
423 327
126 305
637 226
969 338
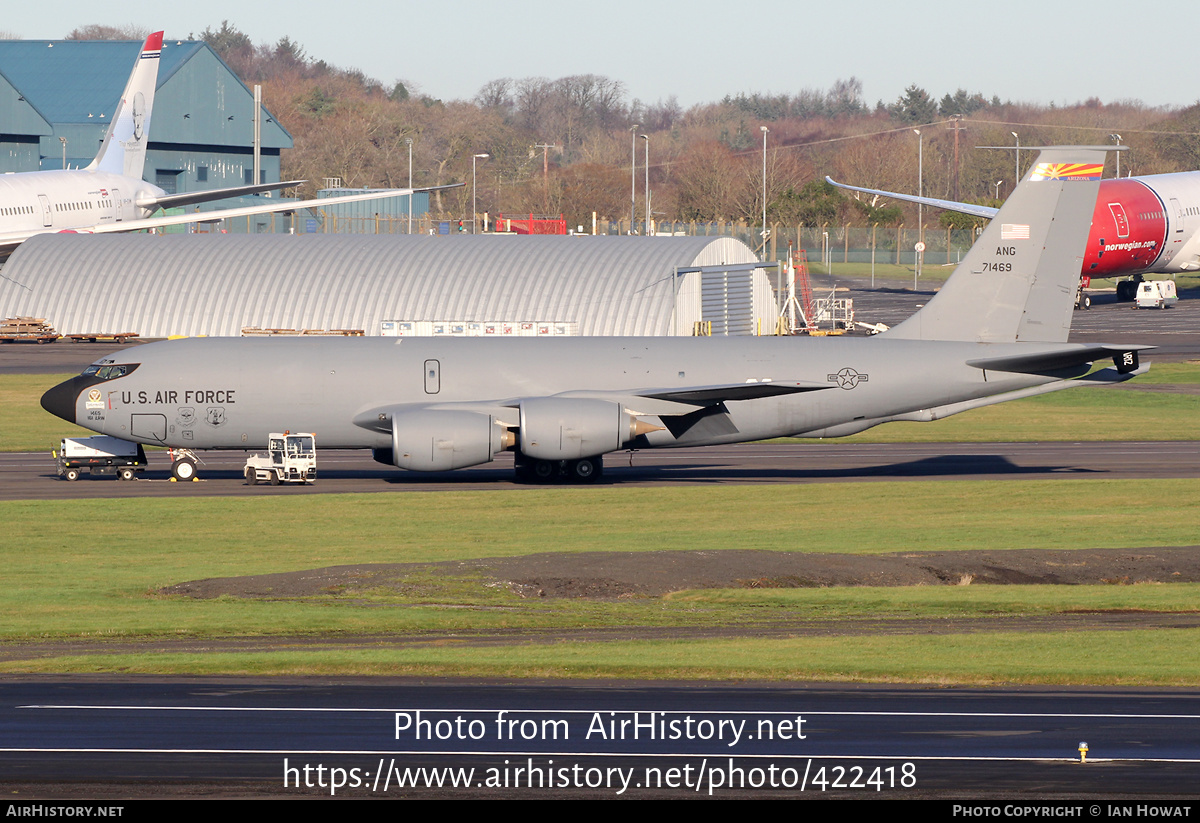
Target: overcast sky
1021 50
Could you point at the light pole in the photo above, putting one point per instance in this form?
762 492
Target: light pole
474 212
63 140
646 184
410 194
1117 138
920 206
764 190
632 175
1017 169
998 182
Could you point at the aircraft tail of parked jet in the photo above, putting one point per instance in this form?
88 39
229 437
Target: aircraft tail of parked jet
1017 283
124 148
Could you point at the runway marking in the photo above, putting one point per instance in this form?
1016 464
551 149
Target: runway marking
656 755
319 709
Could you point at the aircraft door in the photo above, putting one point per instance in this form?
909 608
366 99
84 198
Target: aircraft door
116 197
47 212
149 426
1178 215
433 377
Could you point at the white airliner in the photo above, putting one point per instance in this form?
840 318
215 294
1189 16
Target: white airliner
109 195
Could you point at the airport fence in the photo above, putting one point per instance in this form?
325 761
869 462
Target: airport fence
827 244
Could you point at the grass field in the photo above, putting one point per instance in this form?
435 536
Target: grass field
88 574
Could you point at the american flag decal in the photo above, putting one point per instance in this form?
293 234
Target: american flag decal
1014 231
1067 171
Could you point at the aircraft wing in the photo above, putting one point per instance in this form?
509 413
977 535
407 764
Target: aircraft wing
9 241
952 205
171 201
664 402
221 214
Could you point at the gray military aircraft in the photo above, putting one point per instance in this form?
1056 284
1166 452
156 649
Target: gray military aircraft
996 331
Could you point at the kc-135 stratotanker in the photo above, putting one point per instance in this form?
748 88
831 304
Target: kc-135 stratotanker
996 331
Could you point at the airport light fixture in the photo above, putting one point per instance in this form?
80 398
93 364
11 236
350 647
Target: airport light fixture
409 142
764 188
920 206
63 140
1017 169
633 175
998 182
646 137
474 210
1117 139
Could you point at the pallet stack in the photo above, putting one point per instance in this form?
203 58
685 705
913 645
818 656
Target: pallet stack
26 328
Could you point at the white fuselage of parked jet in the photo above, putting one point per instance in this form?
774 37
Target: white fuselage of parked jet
33 202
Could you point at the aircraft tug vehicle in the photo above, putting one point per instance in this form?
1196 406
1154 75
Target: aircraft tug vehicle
290 458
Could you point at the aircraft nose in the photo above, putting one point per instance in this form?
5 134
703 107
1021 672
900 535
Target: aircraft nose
60 400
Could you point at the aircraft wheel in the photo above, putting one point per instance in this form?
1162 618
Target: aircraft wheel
1126 291
275 481
1087 303
71 474
543 471
584 471
251 477
184 469
126 473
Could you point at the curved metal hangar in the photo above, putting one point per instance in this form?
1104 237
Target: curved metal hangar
222 285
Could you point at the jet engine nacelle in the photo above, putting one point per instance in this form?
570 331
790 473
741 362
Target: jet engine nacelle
564 428
428 440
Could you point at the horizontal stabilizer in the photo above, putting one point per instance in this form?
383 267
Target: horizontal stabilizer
1051 362
172 201
951 205
276 206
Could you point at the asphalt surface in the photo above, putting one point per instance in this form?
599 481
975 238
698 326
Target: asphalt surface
108 737
32 476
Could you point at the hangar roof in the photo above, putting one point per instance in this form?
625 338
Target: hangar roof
217 284
79 82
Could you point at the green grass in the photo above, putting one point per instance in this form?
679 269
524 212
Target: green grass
1158 658
24 424
91 571
886 274
1094 414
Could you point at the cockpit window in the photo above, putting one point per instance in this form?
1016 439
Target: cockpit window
109 372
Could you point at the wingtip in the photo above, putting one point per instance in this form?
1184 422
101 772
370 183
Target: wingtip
153 42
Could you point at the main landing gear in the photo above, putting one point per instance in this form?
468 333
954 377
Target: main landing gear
585 470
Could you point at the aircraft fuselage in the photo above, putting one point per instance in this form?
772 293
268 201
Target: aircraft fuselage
230 393
1143 224
69 199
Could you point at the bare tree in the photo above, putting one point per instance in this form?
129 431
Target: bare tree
99 32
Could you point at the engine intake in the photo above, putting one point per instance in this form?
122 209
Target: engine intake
564 428
430 440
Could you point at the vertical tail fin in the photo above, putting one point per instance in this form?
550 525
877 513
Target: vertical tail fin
124 148
1018 282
